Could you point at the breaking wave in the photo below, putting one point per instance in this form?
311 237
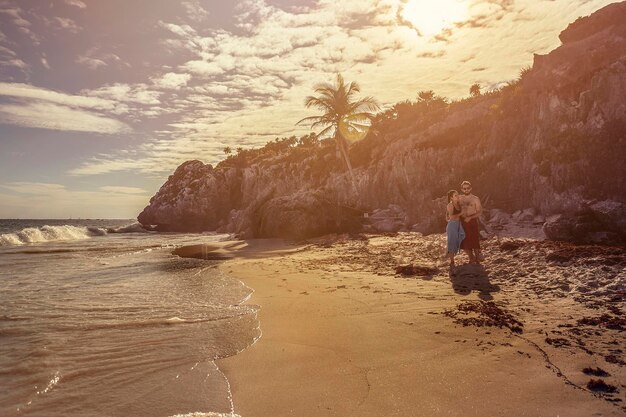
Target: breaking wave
62 233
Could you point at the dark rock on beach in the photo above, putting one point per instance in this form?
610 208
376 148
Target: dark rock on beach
599 223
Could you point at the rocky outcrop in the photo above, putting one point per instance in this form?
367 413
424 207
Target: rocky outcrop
299 216
602 222
552 141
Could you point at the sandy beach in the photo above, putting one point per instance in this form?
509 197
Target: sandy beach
343 334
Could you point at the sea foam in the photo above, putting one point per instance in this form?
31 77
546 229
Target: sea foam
44 234
62 233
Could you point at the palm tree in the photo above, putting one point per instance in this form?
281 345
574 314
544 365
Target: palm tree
227 150
346 119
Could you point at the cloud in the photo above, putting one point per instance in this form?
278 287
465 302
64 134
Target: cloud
8 58
67 24
22 24
182 31
94 59
31 106
44 62
432 54
172 80
133 93
144 161
28 92
18 63
25 200
205 68
135 102
56 117
76 3
36 188
93 63
195 11
123 190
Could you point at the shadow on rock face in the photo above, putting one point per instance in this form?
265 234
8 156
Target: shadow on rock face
471 277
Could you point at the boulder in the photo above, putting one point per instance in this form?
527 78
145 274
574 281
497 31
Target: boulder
303 215
389 220
610 213
597 223
498 217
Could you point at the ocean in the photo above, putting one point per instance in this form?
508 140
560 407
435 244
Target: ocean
99 318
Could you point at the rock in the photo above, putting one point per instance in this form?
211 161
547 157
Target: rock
598 223
527 215
498 217
389 220
303 215
238 222
387 226
584 27
612 214
565 228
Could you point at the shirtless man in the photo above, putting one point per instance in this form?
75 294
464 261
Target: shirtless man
470 204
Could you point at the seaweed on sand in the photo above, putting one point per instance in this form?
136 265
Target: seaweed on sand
484 314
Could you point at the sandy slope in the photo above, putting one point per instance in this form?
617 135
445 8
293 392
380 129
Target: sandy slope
344 336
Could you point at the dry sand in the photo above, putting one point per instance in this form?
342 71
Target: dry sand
343 335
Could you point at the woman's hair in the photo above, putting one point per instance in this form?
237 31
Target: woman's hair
450 194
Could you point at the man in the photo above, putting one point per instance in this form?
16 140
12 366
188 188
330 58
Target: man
471 210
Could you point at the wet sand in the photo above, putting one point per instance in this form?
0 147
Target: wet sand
343 334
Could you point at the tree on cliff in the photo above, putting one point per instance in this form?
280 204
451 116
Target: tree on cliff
474 90
426 96
344 117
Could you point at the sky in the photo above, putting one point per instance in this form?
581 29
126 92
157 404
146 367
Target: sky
100 101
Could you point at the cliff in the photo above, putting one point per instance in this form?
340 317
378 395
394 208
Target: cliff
554 141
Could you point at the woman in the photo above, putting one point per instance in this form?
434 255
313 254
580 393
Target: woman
454 230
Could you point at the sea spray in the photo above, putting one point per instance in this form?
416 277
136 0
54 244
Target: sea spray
64 232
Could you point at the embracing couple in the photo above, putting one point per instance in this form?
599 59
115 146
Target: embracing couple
462 213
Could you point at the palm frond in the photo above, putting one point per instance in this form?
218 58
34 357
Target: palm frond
325 104
309 120
366 103
362 116
325 131
322 123
353 88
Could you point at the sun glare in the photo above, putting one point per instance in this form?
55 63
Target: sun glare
431 17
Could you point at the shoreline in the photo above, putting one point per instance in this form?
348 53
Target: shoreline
337 340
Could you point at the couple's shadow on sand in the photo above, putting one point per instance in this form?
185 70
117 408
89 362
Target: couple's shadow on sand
473 277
